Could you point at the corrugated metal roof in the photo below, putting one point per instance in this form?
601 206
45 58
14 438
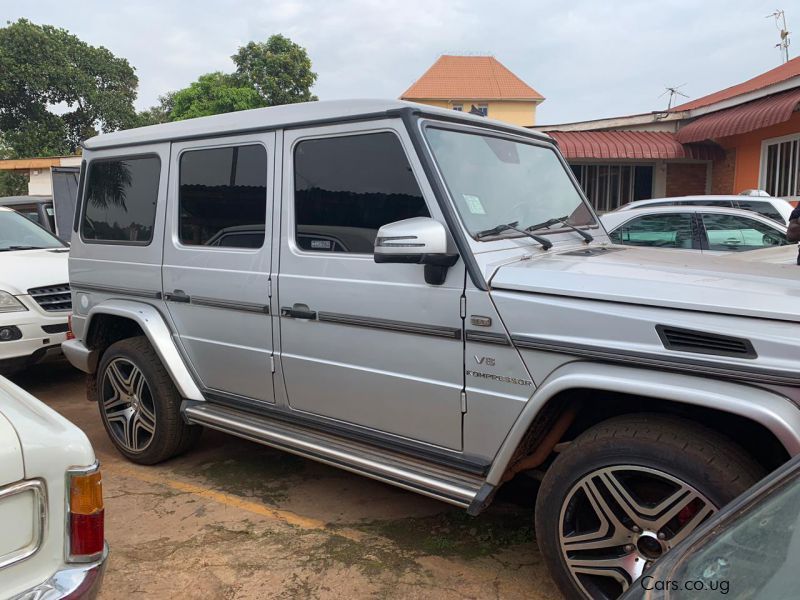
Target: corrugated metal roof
469 78
636 145
778 74
763 112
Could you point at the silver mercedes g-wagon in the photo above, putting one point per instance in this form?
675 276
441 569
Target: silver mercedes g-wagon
425 297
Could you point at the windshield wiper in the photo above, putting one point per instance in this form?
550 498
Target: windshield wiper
7 248
563 221
546 244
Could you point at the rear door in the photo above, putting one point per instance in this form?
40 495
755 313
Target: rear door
216 273
366 344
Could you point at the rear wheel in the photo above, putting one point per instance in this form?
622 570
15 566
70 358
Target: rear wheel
140 405
625 492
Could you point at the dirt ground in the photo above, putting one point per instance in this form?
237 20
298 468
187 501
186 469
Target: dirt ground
233 519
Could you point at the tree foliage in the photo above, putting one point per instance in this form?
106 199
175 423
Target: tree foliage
43 68
212 94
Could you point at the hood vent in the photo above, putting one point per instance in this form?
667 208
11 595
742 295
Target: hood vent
701 342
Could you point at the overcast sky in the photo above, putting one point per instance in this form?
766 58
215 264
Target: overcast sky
589 58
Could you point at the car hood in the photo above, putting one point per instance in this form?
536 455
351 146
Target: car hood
682 280
21 270
49 442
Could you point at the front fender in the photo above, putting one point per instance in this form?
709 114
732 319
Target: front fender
775 412
159 335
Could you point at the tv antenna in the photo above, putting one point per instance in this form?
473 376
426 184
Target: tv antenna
780 23
673 92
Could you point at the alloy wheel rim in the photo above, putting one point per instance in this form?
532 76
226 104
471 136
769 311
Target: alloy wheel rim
128 405
616 521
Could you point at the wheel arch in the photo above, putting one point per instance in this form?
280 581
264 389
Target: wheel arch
114 319
772 416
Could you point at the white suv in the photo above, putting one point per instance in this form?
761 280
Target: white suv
34 294
776 209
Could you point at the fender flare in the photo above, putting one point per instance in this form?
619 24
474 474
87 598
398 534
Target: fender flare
158 333
776 413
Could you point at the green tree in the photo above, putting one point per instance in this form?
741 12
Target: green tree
212 94
42 67
160 113
278 69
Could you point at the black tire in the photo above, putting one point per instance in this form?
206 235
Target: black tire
699 457
170 435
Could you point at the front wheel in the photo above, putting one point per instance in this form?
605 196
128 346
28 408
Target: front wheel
140 405
625 492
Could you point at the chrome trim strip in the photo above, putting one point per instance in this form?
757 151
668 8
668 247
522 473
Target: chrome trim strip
69 558
230 304
388 324
669 363
487 337
39 489
105 289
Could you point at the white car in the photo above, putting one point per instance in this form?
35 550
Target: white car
704 229
34 292
51 504
776 209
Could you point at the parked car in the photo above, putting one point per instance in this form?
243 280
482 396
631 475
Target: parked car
38 209
51 503
489 328
705 229
34 294
776 209
748 550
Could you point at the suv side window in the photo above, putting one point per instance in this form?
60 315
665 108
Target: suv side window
346 187
223 197
672 230
762 208
120 200
735 233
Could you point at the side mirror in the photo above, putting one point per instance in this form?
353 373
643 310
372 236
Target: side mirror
421 241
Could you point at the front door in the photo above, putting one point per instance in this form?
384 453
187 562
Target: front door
371 345
217 261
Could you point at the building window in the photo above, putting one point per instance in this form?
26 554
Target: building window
347 187
223 197
458 107
780 164
120 200
610 186
479 109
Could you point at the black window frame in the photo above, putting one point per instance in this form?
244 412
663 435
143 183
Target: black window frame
267 208
80 214
293 214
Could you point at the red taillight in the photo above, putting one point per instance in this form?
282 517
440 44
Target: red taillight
86 516
70 334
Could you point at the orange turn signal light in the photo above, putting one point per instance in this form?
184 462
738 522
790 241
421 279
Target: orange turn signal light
86 494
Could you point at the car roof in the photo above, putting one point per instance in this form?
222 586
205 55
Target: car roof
288 115
699 198
612 219
16 200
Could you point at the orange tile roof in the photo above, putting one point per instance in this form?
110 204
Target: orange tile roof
785 71
469 78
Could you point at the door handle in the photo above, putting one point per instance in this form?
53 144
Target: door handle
298 311
177 296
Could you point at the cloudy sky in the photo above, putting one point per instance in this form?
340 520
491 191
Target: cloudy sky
587 57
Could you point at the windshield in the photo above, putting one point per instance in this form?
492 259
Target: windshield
494 180
19 233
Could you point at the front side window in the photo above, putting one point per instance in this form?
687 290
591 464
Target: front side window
120 200
494 181
223 197
672 230
19 233
735 233
345 188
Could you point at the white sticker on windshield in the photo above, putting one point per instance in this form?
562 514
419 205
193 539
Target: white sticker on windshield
474 204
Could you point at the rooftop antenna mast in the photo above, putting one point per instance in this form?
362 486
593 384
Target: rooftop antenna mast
673 91
780 23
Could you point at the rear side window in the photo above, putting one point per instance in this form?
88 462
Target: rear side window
120 200
223 197
670 230
345 188
762 208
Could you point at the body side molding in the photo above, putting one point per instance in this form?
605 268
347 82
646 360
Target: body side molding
775 412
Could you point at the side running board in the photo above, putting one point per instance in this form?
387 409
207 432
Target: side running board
397 469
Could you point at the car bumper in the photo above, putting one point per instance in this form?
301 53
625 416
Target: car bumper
34 340
75 582
80 356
